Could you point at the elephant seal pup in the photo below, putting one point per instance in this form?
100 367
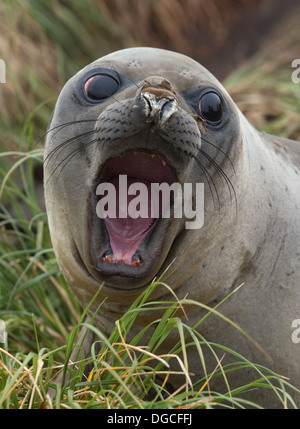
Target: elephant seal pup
154 116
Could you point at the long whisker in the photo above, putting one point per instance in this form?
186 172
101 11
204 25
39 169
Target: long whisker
220 150
69 157
66 143
61 126
209 179
212 186
221 174
206 173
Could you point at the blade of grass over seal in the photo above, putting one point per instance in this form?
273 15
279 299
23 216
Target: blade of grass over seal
226 319
73 335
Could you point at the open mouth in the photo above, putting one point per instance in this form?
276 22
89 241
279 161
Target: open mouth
135 209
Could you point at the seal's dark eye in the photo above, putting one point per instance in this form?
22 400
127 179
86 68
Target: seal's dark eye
210 107
101 86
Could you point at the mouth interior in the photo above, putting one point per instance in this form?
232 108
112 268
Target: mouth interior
126 232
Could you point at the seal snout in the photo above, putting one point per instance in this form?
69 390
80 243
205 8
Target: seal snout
159 101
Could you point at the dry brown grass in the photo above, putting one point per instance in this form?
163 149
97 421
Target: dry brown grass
263 88
43 43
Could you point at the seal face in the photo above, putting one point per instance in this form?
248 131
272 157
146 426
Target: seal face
121 121
141 119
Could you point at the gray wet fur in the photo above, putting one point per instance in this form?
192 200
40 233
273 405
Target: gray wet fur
251 229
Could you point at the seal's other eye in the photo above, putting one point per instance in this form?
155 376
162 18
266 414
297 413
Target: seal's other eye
211 107
101 86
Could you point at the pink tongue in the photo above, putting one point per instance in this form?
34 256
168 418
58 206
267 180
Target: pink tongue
127 233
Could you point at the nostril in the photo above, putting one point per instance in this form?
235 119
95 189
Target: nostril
148 105
158 109
167 110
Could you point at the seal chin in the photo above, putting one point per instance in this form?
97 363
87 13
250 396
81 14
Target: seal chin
127 230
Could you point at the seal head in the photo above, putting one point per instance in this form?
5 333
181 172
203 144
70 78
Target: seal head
137 113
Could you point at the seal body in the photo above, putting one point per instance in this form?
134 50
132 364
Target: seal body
156 116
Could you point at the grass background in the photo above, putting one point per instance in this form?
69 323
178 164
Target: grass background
44 43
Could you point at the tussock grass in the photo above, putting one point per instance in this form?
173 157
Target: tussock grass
124 375
30 282
43 320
